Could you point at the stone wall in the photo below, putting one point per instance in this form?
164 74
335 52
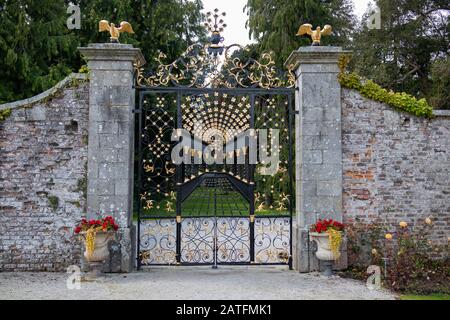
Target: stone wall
43 154
395 166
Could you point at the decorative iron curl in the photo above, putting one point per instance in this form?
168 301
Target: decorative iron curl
195 68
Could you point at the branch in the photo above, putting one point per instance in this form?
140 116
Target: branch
407 75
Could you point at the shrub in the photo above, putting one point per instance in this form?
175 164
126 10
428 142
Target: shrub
407 256
369 89
4 114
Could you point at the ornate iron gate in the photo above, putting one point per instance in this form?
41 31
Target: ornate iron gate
205 210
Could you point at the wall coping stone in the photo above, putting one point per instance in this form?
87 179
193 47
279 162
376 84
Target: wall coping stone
441 113
112 52
314 55
436 112
37 98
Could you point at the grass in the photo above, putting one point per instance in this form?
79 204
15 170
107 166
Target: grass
210 202
434 296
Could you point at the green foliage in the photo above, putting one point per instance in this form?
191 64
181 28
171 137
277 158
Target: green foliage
82 183
54 202
168 26
440 77
34 47
37 50
414 263
84 69
274 24
369 89
400 56
82 186
5 113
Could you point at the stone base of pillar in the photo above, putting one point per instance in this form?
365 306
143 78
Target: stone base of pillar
122 254
304 259
128 249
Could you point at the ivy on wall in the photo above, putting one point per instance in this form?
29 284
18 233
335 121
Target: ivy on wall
369 89
4 114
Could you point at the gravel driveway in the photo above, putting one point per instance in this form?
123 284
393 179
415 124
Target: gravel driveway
200 283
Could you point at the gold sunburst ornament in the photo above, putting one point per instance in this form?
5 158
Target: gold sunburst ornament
115 32
316 35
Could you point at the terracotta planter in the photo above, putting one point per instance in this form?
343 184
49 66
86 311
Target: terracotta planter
101 252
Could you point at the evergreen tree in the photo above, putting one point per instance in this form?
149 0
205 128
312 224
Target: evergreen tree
168 26
274 24
439 96
37 50
34 45
400 55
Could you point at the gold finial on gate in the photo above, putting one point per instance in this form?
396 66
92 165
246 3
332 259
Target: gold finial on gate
115 32
317 34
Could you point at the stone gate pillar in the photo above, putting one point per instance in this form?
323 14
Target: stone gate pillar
111 140
318 146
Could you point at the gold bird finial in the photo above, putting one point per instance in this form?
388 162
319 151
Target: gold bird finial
317 34
115 32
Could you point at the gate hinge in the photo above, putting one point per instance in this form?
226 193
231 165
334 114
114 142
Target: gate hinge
136 111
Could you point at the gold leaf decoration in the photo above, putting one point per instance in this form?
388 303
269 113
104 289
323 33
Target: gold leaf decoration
195 68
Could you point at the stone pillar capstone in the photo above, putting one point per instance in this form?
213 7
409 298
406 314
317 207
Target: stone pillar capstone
318 152
111 140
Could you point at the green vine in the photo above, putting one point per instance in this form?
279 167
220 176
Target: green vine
4 114
369 89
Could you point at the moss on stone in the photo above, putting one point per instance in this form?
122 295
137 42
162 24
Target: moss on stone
82 183
54 202
85 139
4 114
76 203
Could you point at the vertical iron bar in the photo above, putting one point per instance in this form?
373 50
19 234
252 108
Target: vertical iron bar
179 182
215 243
140 167
290 165
235 171
251 180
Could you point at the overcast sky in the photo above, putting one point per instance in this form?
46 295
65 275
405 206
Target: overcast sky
236 18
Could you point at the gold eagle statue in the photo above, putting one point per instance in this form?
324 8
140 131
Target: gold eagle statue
115 32
317 34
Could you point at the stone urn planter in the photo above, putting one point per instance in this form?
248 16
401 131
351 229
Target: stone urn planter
327 251
96 234
324 251
100 251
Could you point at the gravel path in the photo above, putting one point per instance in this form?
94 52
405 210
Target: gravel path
190 283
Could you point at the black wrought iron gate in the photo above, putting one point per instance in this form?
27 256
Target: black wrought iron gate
223 203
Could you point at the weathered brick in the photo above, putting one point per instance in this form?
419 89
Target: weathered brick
395 165
43 156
